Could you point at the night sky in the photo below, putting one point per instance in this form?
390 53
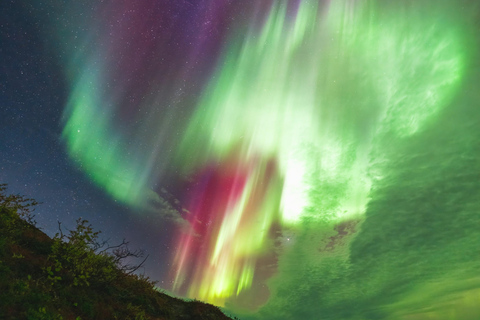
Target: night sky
302 159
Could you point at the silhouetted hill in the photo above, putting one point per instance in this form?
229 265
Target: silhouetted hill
73 277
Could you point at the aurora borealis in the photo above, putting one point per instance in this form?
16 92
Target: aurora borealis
308 159
275 108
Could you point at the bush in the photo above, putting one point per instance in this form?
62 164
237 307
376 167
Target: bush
73 275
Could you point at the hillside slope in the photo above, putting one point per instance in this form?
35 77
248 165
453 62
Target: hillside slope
67 277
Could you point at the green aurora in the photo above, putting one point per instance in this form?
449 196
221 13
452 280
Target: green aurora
369 110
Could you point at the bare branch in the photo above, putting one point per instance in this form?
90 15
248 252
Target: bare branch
138 266
60 229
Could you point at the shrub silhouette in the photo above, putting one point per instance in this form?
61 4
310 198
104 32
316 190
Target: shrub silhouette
75 275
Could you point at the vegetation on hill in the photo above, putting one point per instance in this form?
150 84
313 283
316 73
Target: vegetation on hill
74 275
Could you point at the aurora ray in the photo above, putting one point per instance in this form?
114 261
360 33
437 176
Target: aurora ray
316 94
286 149
119 130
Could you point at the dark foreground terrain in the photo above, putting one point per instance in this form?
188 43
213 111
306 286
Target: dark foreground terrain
74 275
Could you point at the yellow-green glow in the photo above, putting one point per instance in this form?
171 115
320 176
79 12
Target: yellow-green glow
296 122
314 93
